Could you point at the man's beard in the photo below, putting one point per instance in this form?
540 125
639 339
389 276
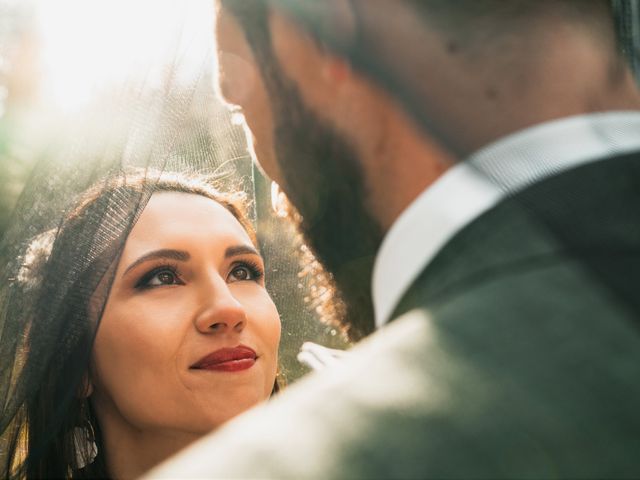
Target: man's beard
323 179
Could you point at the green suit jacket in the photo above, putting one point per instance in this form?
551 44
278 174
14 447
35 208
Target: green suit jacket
516 354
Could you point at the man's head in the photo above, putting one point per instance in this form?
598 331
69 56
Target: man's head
315 164
356 106
433 56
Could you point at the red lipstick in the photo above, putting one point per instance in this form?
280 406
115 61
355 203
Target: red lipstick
227 360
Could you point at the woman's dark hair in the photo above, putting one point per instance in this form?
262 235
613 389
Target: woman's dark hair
50 435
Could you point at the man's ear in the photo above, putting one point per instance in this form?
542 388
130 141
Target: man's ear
319 74
336 70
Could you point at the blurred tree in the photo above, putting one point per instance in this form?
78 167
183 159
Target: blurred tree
18 93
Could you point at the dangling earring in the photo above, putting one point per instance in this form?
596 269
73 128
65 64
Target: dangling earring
84 438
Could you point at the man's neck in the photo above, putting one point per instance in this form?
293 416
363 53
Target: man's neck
410 162
553 74
402 166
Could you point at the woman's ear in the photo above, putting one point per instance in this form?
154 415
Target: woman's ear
86 387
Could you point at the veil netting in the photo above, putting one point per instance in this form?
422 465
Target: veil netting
162 114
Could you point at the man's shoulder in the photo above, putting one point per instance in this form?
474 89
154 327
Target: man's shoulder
524 365
437 394
584 219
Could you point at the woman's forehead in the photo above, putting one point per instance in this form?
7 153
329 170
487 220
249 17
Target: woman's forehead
184 217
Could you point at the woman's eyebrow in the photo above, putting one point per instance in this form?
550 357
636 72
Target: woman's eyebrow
240 250
179 255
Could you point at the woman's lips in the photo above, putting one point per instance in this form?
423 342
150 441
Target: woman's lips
227 360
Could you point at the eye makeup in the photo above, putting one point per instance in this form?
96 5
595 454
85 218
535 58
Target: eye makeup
161 275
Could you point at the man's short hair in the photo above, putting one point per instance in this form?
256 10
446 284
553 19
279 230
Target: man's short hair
484 31
466 21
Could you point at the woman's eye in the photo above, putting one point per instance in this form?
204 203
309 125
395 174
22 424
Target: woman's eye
241 273
245 272
161 277
164 278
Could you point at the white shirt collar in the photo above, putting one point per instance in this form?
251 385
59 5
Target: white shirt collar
470 188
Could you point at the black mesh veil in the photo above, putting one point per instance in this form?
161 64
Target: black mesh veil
164 116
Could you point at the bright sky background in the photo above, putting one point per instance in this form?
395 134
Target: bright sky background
88 45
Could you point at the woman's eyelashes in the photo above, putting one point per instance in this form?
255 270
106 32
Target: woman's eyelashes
168 274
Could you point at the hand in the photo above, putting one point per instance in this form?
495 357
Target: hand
318 357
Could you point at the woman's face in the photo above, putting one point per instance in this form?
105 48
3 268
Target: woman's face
189 335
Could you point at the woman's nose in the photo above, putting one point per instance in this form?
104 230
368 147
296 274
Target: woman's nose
221 312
